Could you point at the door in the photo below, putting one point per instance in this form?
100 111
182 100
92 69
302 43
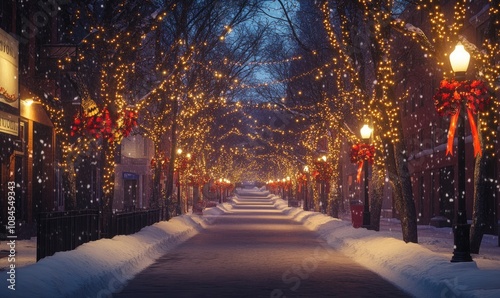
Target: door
130 194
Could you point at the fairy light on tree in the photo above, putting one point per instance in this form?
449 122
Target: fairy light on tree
377 97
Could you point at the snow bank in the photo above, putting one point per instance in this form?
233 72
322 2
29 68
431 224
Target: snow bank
103 266
414 268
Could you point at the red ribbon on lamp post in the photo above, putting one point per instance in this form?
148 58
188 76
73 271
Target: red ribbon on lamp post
448 101
359 154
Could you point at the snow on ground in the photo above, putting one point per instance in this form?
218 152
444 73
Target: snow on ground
104 266
25 253
98 268
423 270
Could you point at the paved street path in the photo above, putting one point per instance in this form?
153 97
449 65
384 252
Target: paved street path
256 251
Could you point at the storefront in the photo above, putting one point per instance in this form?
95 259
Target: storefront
9 119
27 146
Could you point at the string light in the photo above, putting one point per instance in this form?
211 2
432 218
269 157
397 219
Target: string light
202 103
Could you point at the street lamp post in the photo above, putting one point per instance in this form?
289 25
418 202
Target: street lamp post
283 186
459 60
217 191
179 152
289 185
306 203
322 186
366 133
221 198
186 187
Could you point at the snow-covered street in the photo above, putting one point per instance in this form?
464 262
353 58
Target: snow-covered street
261 247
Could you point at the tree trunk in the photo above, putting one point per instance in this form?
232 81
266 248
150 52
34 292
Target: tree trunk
377 197
399 175
171 166
196 194
316 197
334 147
69 186
478 209
483 190
409 213
155 200
108 185
333 202
403 197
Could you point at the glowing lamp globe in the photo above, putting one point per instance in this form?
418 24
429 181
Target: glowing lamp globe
459 60
366 132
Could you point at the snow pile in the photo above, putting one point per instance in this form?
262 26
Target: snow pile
104 266
413 267
216 211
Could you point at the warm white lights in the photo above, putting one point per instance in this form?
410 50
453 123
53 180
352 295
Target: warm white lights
459 59
366 132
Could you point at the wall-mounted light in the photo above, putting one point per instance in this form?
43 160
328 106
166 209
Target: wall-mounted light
28 102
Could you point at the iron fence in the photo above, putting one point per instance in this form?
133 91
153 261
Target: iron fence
66 230
126 223
60 231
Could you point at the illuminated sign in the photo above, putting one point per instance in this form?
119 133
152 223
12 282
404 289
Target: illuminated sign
9 124
9 86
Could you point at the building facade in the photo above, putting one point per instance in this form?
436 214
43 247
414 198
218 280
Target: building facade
133 174
27 154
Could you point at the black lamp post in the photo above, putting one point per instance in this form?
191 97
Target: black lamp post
306 203
366 133
283 185
188 159
219 187
459 60
179 212
289 185
322 185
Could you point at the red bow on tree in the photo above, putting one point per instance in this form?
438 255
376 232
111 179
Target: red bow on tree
102 125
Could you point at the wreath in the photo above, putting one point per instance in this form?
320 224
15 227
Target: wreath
450 95
361 153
